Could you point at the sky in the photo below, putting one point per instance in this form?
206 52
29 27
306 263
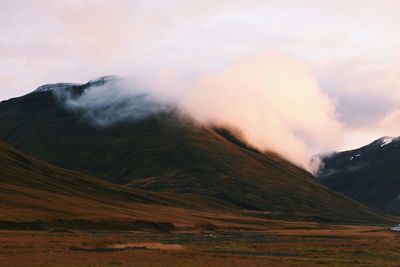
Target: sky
330 69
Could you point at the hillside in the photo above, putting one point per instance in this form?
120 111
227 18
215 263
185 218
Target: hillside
369 174
32 190
167 153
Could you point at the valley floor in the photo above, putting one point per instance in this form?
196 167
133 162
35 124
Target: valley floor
303 244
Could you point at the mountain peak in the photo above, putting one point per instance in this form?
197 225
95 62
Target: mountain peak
368 174
54 86
103 80
383 141
62 86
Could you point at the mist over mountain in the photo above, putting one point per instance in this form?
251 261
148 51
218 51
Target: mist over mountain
164 151
273 100
107 100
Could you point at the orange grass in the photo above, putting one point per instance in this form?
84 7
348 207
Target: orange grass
308 245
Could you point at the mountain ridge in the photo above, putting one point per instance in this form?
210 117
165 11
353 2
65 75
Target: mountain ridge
367 174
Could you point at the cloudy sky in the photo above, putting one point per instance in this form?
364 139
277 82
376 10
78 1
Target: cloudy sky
348 51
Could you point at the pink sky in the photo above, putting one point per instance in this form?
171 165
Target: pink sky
350 50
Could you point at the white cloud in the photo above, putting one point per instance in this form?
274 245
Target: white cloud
276 103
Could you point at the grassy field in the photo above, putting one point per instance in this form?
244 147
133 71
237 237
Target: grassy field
283 244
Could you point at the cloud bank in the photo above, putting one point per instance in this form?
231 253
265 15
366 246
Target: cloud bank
276 103
273 100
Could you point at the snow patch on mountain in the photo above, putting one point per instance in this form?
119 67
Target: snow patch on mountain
55 86
355 156
386 140
62 86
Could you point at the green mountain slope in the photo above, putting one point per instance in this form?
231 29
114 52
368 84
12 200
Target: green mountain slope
165 152
33 190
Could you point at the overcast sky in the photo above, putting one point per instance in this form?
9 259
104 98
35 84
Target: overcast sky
352 48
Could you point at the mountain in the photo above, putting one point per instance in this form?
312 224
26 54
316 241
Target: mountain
32 190
167 152
370 174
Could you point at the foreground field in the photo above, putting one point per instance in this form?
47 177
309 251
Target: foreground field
292 244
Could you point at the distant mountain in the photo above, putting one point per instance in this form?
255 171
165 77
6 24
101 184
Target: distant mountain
370 174
166 152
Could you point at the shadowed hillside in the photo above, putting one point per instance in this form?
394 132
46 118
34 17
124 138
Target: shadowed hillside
33 190
369 174
167 153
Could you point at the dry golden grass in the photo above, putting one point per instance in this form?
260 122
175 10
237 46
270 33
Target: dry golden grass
290 244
